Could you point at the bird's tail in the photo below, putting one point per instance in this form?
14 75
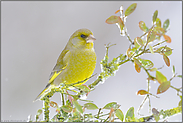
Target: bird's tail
44 92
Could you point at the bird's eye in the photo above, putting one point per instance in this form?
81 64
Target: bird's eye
83 36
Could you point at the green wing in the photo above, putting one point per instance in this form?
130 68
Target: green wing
60 66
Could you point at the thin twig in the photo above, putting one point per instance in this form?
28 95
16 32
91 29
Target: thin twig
149 103
179 90
128 36
159 43
173 77
141 106
148 85
106 119
107 48
154 95
63 102
99 112
124 62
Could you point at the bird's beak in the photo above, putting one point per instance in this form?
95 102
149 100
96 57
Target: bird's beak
90 39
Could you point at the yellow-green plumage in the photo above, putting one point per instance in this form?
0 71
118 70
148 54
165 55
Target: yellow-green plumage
76 62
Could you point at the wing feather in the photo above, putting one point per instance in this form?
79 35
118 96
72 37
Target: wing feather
60 65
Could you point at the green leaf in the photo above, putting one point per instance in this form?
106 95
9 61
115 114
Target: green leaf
151 49
142 26
119 114
146 63
166 24
160 77
78 106
159 31
166 59
90 106
113 105
163 87
129 114
66 108
173 69
139 41
112 19
167 50
136 43
130 9
39 112
179 76
151 36
158 22
155 15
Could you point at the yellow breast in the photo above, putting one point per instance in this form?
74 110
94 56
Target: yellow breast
81 64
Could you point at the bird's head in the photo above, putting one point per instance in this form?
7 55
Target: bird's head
82 38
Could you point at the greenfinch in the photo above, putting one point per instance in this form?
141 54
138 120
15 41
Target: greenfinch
76 62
